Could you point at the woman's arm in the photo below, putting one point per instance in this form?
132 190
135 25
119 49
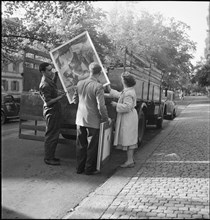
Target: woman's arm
126 106
114 93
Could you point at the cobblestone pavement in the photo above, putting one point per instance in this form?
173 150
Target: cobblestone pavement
174 181
170 179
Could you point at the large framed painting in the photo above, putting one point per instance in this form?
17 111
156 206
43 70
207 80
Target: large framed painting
105 144
72 60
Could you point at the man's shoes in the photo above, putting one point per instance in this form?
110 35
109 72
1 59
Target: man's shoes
56 159
92 172
80 171
52 162
127 165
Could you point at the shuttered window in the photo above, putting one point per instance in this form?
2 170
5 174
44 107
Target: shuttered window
14 86
5 84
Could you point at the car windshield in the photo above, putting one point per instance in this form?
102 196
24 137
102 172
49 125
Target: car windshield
170 95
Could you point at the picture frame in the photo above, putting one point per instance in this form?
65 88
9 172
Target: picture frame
72 60
105 144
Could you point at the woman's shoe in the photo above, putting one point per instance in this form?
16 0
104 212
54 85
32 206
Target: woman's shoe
127 165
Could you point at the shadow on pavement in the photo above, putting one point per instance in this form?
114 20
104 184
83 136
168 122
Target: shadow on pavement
10 214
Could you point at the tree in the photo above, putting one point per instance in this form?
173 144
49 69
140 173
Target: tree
202 75
48 24
161 41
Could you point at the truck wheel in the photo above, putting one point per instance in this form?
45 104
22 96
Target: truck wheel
3 118
141 127
68 136
159 123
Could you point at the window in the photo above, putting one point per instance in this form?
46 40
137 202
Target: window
11 67
5 84
14 86
36 66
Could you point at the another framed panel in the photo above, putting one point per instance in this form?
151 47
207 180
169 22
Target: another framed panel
105 143
72 60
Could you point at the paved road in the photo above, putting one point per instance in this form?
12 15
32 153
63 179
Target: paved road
170 179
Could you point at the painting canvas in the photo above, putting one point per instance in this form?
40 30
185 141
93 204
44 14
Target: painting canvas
105 143
72 60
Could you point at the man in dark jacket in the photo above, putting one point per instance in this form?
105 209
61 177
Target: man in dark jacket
51 111
90 113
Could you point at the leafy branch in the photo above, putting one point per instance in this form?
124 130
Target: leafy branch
25 37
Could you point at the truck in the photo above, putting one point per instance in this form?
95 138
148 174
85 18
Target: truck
148 89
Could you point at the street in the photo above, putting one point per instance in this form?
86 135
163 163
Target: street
31 189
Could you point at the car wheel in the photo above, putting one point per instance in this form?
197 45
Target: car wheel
3 118
159 123
172 116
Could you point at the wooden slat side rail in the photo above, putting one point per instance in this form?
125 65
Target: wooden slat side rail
147 64
138 58
31 117
33 127
31 137
146 71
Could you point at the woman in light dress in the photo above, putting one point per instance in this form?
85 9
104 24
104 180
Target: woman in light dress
126 127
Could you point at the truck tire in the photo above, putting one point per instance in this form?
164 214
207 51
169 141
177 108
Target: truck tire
3 118
159 123
141 127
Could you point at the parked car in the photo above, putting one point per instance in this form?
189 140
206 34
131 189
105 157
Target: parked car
9 108
170 107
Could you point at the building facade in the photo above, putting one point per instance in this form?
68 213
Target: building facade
11 74
11 79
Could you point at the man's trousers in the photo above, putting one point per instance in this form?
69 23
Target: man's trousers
53 119
87 148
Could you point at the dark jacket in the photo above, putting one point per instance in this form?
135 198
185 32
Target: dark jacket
48 91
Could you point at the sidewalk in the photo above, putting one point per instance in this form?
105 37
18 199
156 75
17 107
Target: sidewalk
170 179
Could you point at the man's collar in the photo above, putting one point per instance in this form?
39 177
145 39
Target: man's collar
93 78
47 78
